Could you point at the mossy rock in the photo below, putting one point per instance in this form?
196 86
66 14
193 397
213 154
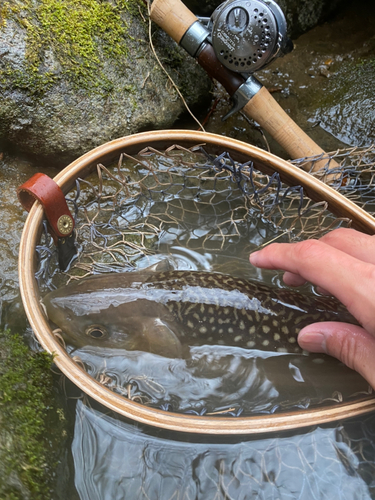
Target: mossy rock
32 423
75 74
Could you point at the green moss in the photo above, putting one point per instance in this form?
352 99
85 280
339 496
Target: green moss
81 34
26 404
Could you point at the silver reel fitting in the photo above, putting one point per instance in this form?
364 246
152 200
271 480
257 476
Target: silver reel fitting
248 34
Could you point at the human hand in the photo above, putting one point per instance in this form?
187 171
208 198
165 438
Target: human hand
341 263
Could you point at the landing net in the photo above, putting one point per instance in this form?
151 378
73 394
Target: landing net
202 212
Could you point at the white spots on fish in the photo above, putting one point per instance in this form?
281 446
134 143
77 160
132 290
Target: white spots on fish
285 330
241 325
190 324
250 344
237 338
202 329
188 309
289 318
298 320
265 343
266 329
316 317
292 340
179 312
276 337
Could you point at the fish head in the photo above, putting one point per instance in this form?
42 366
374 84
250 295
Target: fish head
104 312
80 325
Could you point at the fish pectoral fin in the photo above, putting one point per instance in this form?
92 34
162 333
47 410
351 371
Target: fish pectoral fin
161 338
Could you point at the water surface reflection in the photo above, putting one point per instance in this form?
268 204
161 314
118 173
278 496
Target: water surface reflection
116 460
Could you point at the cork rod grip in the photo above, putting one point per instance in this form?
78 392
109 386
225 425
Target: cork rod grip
173 17
271 117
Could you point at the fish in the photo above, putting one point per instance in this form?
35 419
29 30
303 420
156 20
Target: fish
167 311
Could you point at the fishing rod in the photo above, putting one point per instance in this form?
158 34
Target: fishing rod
241 37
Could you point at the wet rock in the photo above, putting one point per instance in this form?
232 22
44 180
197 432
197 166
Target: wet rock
348 110
73 76
32 424
301 15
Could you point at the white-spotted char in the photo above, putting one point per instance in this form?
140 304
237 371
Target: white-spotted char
162 312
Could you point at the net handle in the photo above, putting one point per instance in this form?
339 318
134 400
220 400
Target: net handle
175 19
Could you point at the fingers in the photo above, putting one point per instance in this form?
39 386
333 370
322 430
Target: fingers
347 278
354 243
351 344
357 244
292 279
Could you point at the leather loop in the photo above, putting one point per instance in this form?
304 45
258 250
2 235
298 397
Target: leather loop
42 188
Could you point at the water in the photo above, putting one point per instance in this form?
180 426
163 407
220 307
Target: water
146 464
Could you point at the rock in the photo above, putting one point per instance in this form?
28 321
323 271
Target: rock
75 75
301 15
33 427
348 110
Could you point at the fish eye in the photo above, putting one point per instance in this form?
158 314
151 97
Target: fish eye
96 332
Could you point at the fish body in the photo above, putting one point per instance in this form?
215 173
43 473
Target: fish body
163 311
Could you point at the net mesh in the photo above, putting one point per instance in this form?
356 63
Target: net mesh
206 212
355 176
189 198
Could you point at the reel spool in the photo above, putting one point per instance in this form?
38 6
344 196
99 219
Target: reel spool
247 36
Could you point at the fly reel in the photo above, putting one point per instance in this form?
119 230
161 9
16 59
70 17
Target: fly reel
248 35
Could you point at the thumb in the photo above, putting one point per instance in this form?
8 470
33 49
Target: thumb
351 344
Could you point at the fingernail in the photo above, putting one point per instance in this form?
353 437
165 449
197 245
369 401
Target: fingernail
312 341
254 258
